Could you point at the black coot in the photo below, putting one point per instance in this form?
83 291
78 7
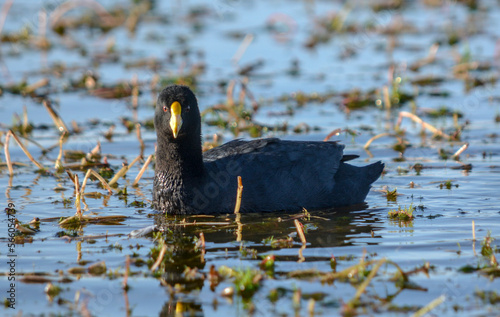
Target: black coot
277 175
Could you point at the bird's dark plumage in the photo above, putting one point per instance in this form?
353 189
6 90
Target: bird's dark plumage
277 175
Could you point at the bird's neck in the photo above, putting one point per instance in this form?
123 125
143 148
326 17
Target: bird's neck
179 158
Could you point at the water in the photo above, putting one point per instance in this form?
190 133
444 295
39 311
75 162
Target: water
440 235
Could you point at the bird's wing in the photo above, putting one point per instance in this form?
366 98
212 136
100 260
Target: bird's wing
277 174
237 147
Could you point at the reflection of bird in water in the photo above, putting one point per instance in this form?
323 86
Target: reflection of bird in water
277 175
326 230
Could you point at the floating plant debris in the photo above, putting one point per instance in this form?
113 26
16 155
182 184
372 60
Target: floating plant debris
78 86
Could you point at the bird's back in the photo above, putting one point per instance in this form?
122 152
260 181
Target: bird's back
279 175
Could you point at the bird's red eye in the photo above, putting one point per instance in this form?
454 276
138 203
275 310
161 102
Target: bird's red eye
165 108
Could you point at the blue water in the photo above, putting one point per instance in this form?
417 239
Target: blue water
441 234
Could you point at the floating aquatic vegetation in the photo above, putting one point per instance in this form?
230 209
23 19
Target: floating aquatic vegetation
443 111
356 99
403 214
391 195
246 281
448 184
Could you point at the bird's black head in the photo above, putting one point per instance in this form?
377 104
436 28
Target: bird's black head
177 116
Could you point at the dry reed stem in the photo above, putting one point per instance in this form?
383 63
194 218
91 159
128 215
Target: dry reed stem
464 67
100 10
139 137
39 84
99 219
430 58
84 183
5 11
310 307
387 99
70 175
301 255
123 171
202 224
96 149
424 124
76 128
143 169
28 154
331 134
102 180
135 97
127 269
42 29
77 183
460 151
473 231
247 40
239 194
243 93
245 90
25 118
58 122
361 289
79 250
239 227
229 97
300 231
159 259
424 310
78 198
378 136
58 165
24 230
7 153
201 243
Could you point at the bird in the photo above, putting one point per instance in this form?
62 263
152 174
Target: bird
277 175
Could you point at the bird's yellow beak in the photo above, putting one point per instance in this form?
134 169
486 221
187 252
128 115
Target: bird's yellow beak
175 118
